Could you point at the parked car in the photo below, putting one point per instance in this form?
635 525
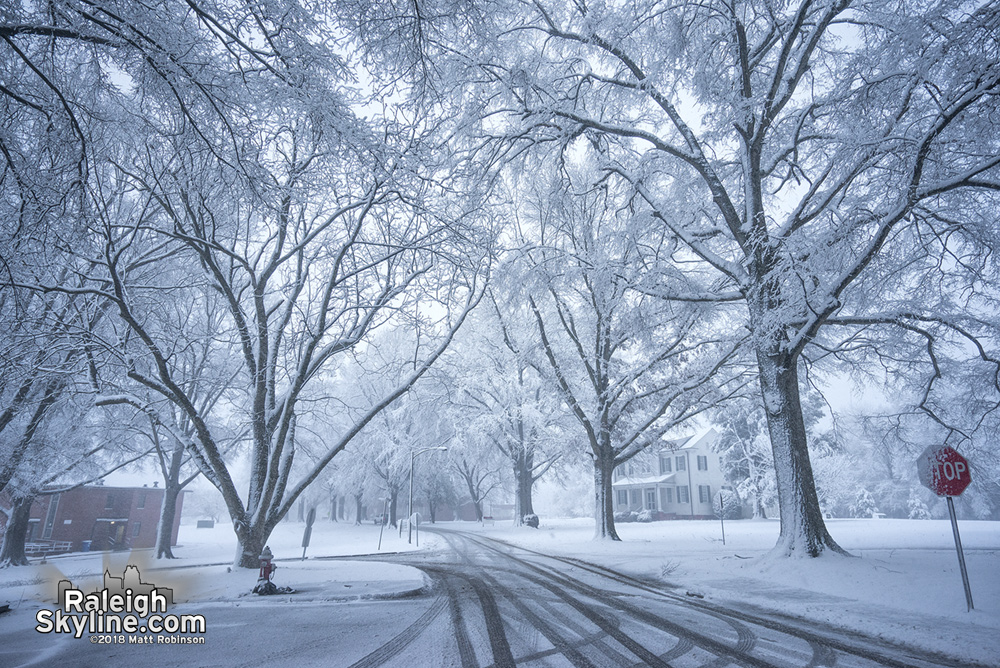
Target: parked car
381 518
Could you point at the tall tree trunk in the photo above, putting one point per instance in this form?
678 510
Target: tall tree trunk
757 486
12 550
15 457
523 482
171 490
357 508
474 495
604 511
803 531
393 507
250 543
333 507
165 529
759 512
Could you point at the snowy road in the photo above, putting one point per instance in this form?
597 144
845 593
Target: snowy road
492 605
510 606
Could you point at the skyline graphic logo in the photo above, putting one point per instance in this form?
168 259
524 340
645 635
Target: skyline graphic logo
124 610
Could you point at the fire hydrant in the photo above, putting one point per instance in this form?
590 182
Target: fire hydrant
264 584
266 567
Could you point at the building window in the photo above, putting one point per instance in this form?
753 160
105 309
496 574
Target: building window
142 501
650 499
666 496
704 493
702 462
635 497
622 497
50 516
681 464
682 494
664 464
110 503
135 531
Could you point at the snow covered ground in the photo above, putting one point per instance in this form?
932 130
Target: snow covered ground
202 568
904 586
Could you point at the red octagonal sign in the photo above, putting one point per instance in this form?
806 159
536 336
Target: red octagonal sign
943 470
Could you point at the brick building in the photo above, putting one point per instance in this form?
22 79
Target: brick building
111 518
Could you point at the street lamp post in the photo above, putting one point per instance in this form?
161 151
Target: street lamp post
409 509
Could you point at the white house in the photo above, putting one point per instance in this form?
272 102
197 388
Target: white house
677 480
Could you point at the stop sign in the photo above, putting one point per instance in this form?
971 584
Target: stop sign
943 470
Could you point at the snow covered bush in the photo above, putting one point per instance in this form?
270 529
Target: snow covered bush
726 500
531 521
918 509
645 516
864 504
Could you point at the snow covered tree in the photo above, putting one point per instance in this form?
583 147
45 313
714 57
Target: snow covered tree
798 152
73 446
629 366
474 460
317 225
435 485
501 399
726 504
864 504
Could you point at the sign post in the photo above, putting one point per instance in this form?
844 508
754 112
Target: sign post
307 534
722 513
946 473
383 521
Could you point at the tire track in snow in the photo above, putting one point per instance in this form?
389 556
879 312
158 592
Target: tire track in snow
402 639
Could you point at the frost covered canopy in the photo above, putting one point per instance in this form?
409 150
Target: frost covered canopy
219 216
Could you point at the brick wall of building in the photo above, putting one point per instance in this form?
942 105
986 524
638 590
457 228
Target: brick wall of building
109 517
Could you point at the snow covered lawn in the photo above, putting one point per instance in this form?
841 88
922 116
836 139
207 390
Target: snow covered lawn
201 571
905 585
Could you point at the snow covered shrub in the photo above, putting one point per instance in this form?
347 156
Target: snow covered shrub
727 500
864 504
645 516
623 516
918 509
531 521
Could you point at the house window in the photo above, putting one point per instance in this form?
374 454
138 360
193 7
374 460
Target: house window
635 497
702 462
704 493
650 499
142 501
110 503
681 464
664 464
682 494
135 531
50 517
622 497
666 497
